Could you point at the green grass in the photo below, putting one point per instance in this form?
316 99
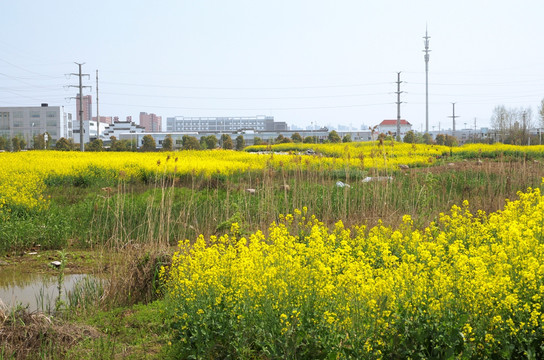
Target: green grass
136 332
167 210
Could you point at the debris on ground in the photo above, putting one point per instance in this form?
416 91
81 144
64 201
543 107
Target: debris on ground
377 178
340 184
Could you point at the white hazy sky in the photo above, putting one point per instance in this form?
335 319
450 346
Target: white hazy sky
303 62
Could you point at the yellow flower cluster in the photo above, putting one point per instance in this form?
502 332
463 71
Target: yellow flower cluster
23 174
469 284
369 154
22 190
498 150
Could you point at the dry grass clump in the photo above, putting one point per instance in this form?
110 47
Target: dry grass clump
135 278
25 335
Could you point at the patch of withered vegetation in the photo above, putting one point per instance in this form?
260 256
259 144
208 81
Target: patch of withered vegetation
490 166
135 280
25 335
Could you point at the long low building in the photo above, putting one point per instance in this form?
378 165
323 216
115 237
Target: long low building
29 121
224 124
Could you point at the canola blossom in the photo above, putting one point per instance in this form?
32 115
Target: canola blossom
498 150
467 286
369 154
390 154
24 175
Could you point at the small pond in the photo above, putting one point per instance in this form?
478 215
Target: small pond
38 292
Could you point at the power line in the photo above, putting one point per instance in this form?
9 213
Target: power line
247 98
245 88
251 109
29 71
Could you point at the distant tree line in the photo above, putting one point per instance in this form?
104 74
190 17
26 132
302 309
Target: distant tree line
512 125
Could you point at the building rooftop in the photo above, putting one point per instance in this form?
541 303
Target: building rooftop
394 122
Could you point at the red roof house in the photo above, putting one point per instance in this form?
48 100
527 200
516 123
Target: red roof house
391 126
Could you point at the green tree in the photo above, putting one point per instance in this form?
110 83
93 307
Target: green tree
226 142
127 145
440 139
16 144
211 142
113 143
148 143
334 137
202 142
64 144
258 141
451 141
347 138
119 145
168 143
296 138
409 137
3 143
190 143
95 145
310 140
240 143
428 139
286 140
38 142
279 139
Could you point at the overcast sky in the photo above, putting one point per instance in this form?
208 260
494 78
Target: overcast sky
303 62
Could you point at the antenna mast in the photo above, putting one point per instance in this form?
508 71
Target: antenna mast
426 51
97 114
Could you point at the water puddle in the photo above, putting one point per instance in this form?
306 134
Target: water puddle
38 292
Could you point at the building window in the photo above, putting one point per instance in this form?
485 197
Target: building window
51 114
4 121
35 114
18 114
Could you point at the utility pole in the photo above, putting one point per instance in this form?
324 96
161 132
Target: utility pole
97 114
453 117
475 130
398 92
426 51
524 128
80 97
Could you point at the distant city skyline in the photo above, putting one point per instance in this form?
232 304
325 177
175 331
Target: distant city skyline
302 62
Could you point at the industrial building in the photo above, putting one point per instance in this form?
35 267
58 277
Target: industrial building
224 124
29 121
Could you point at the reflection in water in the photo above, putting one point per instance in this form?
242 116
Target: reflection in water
37 291
13 276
